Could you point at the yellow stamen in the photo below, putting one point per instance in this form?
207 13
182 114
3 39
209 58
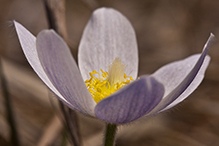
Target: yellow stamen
102 85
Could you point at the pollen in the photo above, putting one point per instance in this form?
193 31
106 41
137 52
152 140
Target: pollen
103 84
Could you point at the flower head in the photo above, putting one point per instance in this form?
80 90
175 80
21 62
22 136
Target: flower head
106 84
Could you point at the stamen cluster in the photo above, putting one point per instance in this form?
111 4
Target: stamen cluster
100 85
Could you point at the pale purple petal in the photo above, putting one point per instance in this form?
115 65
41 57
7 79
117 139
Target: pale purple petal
28 44
131 102
63 72
107 35
181 78
194 84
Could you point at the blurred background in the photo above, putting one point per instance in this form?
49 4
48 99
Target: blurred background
166 31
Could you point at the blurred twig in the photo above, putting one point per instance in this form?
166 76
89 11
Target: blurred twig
55 10
56 17
10 117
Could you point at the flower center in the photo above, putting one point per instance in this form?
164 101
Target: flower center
101 85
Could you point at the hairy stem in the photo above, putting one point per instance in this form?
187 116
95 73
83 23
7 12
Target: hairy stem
110 134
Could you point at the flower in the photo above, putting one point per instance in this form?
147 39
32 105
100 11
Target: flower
108 63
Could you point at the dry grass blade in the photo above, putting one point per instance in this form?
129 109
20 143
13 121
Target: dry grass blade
10 115
51 131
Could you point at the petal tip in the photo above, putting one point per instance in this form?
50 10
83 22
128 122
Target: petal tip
49 33
210 41
105 10
17 25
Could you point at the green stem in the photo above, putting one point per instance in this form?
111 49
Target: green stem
110 134
10 116
64 138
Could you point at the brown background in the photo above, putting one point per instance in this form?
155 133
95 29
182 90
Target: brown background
167 30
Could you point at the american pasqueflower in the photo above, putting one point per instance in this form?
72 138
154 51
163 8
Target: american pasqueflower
106 84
